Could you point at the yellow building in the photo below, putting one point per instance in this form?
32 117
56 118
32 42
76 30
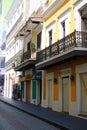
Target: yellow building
63 57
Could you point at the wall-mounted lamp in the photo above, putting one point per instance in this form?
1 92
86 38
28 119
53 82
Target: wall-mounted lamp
72 77
55 80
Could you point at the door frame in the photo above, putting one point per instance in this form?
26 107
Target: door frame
62 74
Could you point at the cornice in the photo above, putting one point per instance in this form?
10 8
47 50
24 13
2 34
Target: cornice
52 8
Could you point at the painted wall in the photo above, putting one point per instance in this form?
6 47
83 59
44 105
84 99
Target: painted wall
72 65
67 6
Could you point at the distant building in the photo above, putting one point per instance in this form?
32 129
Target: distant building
2 52
4 6
18 47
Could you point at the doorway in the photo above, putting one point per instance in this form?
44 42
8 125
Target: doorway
83 93
65 94
50 93
28 91
39 91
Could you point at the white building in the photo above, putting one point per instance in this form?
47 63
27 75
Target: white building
17 17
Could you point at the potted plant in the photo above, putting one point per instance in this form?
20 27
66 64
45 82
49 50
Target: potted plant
46 3
33 47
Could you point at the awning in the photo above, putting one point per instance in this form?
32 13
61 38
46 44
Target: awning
37 76
31 23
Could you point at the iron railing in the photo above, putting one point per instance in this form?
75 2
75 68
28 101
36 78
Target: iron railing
76 39
14 58
26 55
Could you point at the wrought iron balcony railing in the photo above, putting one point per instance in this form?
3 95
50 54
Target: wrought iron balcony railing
76 39
16 57
19 58
26 55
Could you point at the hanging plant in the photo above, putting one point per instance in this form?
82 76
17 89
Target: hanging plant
33 47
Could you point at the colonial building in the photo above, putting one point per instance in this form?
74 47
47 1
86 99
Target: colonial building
30 34
15 20
47 54
2 50
24 21
63 58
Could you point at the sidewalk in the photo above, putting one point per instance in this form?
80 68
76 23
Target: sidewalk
60 120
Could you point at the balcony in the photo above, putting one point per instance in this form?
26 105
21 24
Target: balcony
71 46
16 57
26 55
26 62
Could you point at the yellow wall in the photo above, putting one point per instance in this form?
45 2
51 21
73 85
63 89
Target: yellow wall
60 10
68 4
72 22
72 65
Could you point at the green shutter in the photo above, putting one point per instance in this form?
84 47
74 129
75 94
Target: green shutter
33 84
34 89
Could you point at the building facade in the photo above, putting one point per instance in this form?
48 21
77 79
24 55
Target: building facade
23 22
64 57
47 54
30 34
15 19
3 10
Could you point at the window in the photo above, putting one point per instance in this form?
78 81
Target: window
50 37
28 46
39 41
63 29
84 25
3 63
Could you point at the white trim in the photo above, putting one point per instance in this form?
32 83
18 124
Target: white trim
64 17
78 6
55 106
51 26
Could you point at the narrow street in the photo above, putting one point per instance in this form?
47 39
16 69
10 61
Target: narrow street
13 119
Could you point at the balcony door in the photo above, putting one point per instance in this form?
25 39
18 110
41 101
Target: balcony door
83 14
50 42
28 46
84 24
63 29
62 45
39 41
